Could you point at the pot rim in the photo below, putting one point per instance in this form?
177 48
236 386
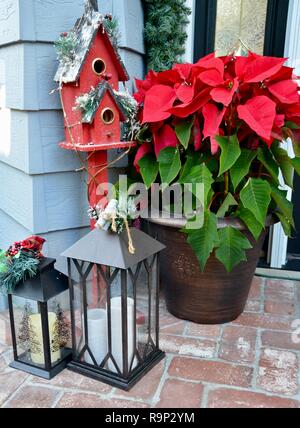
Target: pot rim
176 223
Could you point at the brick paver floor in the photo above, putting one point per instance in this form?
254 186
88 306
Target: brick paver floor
253 362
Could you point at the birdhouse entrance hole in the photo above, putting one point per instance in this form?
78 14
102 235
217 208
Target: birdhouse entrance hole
108 116
99 66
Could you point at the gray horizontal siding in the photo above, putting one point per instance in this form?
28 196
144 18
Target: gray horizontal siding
35 137
43 203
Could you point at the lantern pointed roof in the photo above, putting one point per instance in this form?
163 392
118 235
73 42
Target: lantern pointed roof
111 249
86 30
98 96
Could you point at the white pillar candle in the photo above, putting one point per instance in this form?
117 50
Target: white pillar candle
36 333
97 335
116 333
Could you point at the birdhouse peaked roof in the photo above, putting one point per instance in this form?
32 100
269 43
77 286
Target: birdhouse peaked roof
86 30
100 91
111 249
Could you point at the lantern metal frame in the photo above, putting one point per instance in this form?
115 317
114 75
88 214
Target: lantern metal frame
48 284
125 377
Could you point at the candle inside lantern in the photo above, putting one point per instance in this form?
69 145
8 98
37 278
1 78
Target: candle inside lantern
116 333
36 339
97 335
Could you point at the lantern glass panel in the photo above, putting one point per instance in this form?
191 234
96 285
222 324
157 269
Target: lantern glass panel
28 330
101 296
60 335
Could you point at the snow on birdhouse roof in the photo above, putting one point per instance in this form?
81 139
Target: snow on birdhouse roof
85 30
100 91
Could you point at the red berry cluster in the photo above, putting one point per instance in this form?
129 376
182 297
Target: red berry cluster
14 250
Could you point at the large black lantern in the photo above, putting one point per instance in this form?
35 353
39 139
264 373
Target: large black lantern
114 306
40 322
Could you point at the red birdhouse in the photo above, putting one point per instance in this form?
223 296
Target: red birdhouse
89 73
95 65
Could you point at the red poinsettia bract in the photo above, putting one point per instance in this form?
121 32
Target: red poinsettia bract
254 97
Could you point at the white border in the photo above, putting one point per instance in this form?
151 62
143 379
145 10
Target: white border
278 243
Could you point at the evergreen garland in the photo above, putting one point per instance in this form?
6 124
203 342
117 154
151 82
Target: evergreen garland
17 270
165 35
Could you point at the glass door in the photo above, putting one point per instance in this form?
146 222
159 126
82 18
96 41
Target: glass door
259 24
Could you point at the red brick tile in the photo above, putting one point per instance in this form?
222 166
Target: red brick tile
279 308
279 290
174 328
233 399
256 288
3 364
89 401
187 346
238 344
198 330
70 380
9 382
266 321
148 386
5 332
33 397
278 339
177 394
3 347
278 372
253 306
210 371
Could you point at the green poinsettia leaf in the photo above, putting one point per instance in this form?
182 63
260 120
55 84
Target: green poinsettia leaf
296 165
284 205
285 164
256 197
204 240
149 169
228 203
230 152
193 159
232 247
266 158
286 224
250 221
183 131
200 174
169 164
242 166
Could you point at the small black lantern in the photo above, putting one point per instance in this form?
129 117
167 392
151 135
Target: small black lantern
114 306
41 331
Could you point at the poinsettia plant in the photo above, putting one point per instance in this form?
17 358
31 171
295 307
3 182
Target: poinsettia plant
221 122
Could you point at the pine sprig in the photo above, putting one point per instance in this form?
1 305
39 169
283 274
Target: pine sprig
111 25
86 103
17 270
165 32
66 47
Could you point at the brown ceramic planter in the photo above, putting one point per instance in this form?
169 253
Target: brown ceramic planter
212 297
